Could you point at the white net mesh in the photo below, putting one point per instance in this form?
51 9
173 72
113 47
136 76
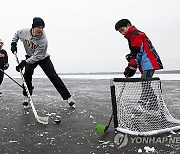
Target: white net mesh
141 109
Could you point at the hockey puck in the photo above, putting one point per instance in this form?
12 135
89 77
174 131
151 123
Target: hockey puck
57 121
25 103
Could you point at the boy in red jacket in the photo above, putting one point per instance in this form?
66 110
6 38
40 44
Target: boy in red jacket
144 56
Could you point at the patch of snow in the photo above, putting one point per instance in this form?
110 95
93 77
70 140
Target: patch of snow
148 149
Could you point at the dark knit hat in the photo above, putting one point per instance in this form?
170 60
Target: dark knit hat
38 22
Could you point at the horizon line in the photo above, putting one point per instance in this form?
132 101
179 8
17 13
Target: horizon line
93 73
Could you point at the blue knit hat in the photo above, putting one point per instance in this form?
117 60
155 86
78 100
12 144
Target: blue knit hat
38 22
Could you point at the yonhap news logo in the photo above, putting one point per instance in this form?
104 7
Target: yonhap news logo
121 140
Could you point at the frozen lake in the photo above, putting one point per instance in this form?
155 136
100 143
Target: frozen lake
76 134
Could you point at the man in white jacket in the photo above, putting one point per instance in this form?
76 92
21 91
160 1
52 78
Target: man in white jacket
35 44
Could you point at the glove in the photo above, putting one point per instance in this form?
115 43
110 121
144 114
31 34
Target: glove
6 66
130 71
13 47
129 57
21 65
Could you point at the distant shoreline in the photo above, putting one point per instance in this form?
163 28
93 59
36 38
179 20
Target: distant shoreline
163 75
105 73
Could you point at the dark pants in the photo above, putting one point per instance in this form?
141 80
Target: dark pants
49 70
147 74
1 77
147 91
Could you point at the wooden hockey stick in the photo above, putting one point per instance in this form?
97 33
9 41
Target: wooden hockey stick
42 120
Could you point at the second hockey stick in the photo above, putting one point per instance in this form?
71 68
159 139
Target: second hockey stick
11 78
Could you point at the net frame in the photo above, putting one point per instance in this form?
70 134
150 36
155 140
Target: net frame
163 108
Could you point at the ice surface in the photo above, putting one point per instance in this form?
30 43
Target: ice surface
21 133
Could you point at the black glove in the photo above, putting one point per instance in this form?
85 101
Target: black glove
6 66
130 71
21 65
13 47
129 57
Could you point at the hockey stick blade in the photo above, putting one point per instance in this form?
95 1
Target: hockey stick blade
42 120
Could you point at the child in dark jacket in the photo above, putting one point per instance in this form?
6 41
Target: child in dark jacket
3 62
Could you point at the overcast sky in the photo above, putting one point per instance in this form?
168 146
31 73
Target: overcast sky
81 33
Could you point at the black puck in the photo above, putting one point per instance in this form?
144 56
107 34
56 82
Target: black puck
57 121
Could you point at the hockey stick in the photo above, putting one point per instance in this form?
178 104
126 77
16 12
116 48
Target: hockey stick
119 96
42 120
11 78
102 128
106 128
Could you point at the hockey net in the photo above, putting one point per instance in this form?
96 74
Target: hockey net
139 108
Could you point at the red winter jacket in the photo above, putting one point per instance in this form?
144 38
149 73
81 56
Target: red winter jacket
142 51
